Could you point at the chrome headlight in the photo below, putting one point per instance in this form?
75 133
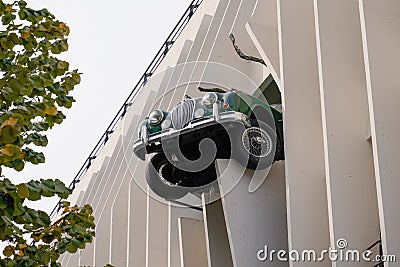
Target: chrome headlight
209 99
156 117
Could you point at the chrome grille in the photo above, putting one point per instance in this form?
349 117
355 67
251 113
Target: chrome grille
182 114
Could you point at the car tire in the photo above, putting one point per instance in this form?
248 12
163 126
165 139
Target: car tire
159 174
254 147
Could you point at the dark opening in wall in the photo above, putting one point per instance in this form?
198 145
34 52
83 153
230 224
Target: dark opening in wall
270 90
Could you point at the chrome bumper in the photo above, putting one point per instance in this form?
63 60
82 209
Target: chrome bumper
217 117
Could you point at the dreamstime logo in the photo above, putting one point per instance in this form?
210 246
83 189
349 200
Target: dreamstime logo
341 243
338 254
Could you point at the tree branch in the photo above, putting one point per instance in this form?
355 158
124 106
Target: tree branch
215 89
242 55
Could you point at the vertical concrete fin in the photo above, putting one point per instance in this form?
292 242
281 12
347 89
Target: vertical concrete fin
380 20
218 248
263 31
351 188
192 243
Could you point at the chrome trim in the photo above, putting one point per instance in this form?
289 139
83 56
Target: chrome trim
144 135
182 113
226 116
245 119
216 111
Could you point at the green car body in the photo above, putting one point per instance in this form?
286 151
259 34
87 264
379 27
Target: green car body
233 101
240 126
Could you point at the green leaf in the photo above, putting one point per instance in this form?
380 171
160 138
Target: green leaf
48 187
48 238
43 219
71 248
34 191
55 49
18 165
62 249
78 243
22 4
63 45
29 46
8 251
8 150
76 78
61 190
36 81
77 228
42 28
23 191
16 85
18 208
47 79
3 203
33 214
27 218
22 14
55 264
62 65
8 134
33 157
6 19
7 221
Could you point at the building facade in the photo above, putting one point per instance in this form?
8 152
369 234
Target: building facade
333 66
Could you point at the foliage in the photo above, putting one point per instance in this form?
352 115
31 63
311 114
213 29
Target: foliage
70 232
35 87
34 84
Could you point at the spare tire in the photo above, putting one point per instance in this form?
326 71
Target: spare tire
160 178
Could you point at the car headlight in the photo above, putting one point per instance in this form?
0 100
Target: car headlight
209 99
199 113
156 117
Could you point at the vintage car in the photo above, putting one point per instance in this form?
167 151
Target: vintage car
240 126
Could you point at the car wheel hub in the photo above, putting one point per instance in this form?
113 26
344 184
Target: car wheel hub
163 174
257 142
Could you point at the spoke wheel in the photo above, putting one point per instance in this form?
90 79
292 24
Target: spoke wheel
254 147
257 142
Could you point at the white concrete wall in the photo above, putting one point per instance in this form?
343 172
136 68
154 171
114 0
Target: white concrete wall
380 24
307 211
352 202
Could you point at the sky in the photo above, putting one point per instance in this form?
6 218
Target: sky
111 43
